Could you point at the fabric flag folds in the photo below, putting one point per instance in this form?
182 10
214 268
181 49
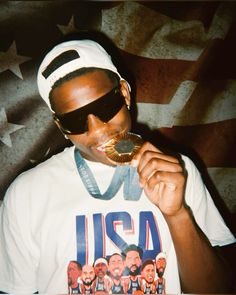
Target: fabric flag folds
181 60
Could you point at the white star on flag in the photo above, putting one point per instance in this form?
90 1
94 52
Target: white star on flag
7 128
69 28
10 60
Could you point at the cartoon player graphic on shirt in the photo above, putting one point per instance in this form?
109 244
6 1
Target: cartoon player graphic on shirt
116 269
133 260
148 273
74 271
87 277
160 269
102 283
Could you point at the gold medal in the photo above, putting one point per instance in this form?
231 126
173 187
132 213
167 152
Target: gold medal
121 149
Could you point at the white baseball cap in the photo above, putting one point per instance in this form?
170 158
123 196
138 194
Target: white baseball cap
160 255
101 260
87 53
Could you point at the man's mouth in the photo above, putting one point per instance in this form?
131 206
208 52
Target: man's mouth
116 273
87 282
116 270
101 147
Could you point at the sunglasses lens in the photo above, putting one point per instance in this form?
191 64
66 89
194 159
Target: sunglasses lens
105 108
72 123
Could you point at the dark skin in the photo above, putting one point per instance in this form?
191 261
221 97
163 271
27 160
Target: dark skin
79 92
162 176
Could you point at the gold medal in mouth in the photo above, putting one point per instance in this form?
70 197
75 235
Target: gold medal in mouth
121 148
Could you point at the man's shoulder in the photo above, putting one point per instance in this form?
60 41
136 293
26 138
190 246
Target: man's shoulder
60 161
37 181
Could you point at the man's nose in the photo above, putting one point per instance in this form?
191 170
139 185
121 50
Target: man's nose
95 124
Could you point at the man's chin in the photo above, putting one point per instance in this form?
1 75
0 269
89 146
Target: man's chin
117 277
98 156
87 283
134 272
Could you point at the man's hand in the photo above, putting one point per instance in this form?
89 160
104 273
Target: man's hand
162 177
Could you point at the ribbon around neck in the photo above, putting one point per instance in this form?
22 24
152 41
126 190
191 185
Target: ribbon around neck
122 174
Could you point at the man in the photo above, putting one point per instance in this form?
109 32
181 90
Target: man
116 269
102 282
74 271
160 269
95 206
133 261
148 285
87 277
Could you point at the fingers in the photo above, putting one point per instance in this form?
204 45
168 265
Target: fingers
162 177
151 160
160 180
146 152
153 166
166 191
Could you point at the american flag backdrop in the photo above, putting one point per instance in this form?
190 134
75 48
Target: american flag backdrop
180 55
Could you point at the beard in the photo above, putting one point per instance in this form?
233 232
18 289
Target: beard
87 282
160 272
116 275
134 272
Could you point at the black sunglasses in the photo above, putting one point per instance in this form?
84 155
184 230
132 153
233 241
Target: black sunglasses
105 108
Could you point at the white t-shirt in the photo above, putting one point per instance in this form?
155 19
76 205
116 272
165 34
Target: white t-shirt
48 219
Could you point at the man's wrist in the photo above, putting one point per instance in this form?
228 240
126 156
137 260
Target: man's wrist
180 217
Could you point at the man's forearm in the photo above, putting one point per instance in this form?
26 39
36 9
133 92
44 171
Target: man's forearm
201 269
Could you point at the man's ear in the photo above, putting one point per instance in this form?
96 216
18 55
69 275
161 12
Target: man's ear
124 87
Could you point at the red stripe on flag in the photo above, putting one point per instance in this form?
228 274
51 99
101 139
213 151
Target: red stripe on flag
157 79
213 143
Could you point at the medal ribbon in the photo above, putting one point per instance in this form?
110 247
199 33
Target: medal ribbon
123 174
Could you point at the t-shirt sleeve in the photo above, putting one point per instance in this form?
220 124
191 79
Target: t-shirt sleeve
17 259
203 208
